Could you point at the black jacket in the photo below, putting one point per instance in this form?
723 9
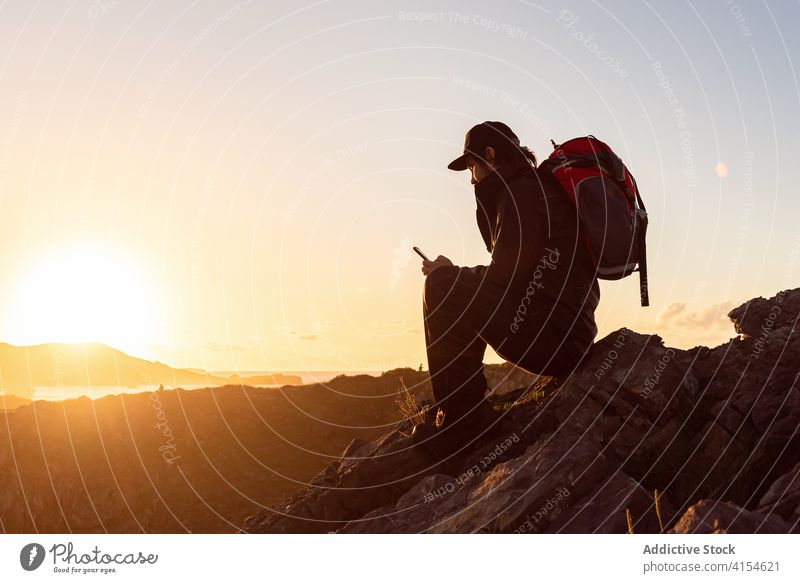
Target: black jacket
530 227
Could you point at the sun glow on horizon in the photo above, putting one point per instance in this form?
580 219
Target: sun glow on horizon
85 294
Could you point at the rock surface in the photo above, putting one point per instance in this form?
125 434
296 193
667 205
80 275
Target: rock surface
714 431
715 517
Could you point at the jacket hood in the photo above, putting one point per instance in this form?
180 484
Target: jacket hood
501 176
486 195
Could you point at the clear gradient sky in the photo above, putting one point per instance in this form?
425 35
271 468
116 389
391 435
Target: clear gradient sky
238 185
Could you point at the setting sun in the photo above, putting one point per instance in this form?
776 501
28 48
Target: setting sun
85 294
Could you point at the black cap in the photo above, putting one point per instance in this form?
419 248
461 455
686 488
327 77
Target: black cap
489 133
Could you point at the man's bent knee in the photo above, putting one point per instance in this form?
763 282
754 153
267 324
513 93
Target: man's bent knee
439 283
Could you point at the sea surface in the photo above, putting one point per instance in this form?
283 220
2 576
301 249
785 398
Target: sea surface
59 393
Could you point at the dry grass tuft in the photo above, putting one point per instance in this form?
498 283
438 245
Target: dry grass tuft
409 407
658 511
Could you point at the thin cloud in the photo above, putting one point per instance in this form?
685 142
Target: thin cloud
676 315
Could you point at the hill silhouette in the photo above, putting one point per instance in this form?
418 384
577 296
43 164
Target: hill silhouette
95 364
8 402
200 460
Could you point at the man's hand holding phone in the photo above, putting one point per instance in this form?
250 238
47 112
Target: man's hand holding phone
428 266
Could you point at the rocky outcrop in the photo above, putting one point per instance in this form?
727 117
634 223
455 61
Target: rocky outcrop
643 438
715 517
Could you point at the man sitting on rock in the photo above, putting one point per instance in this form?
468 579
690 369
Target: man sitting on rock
534 303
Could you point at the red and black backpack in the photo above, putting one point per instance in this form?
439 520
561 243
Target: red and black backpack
611 213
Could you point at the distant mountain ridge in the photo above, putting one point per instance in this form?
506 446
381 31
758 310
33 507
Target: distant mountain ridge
96 364
9 402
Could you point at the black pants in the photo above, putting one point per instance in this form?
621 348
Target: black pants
461 318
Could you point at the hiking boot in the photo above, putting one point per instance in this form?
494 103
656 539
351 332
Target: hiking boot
422 432
444 439
441 443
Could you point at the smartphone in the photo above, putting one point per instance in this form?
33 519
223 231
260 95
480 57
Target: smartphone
420 253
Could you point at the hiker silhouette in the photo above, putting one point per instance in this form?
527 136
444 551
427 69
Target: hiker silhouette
533 304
